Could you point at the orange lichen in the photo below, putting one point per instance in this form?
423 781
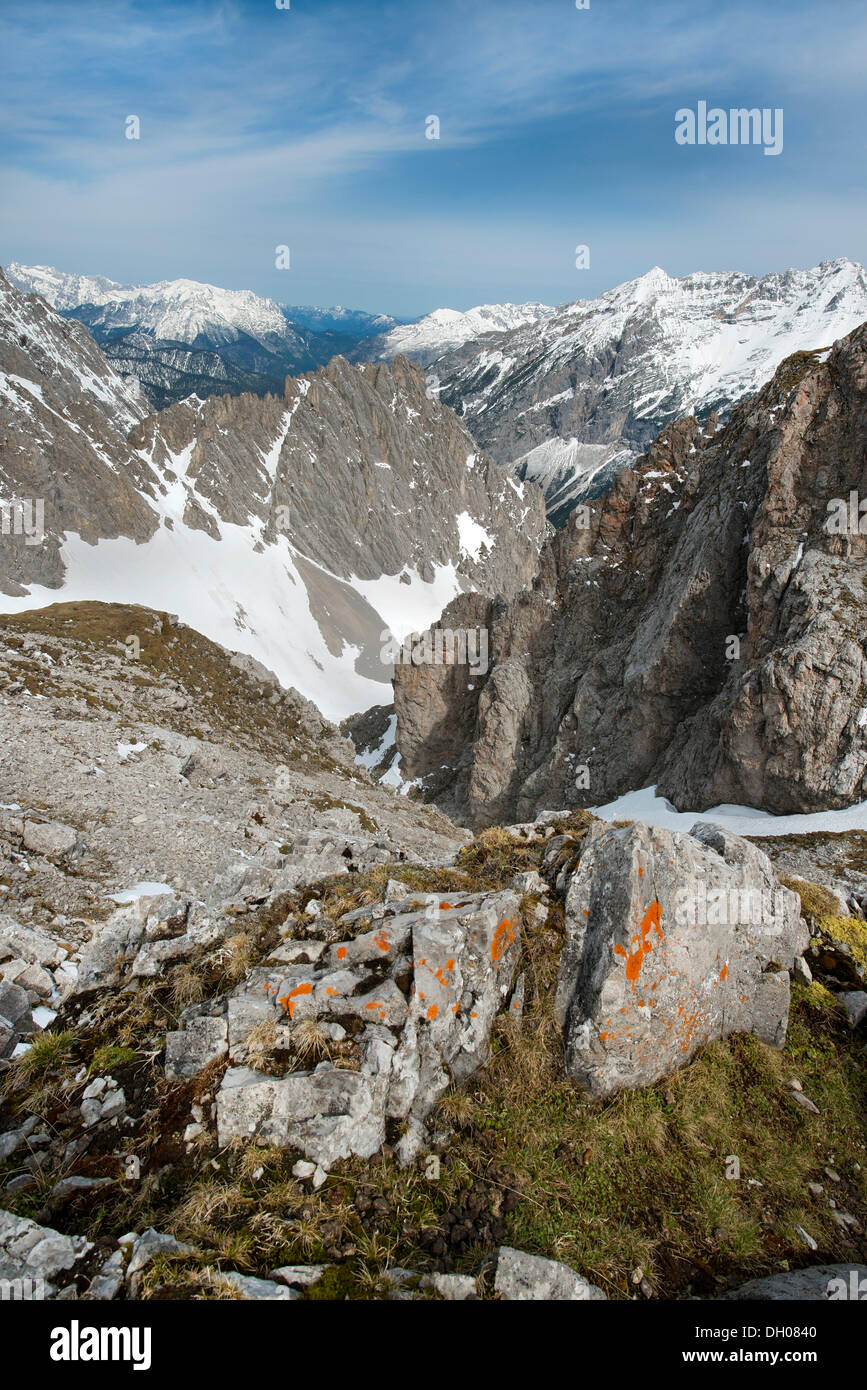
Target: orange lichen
640 945
289 1000
503 938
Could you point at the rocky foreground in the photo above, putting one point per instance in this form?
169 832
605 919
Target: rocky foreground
269 1031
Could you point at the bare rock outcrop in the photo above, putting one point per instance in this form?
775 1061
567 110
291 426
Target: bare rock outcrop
418 990
700 627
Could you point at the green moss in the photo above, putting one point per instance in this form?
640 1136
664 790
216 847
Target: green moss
110 1057
816 900
851 932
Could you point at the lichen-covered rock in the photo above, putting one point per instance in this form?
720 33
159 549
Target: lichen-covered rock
464 953
202 1041
673 941
455 959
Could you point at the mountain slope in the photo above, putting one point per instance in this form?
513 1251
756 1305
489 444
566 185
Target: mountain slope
704 632
297 528
611 372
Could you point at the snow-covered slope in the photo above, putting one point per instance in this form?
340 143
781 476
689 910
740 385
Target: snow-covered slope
300 528
446 329
612 371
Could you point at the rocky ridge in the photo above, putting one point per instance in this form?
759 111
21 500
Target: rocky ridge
333 1029
698 628
251 516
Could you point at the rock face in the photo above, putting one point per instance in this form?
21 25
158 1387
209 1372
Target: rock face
673 941
252 516
703 631
418 991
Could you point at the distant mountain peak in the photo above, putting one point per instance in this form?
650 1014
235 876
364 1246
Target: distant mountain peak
572 395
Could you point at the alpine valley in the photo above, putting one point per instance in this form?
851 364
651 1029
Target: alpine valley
334 969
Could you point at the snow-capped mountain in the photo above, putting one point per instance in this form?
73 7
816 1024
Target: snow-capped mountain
180 337
599 378
183 311
447 329
299 528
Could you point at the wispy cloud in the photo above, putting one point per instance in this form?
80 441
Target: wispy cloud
255 119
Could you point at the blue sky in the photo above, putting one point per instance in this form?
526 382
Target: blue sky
306 127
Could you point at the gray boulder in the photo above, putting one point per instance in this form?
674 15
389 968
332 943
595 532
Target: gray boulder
49 838
245 1286
202 1042
522 1277
145 1248
673 941
834 1283
38 1253
855 1004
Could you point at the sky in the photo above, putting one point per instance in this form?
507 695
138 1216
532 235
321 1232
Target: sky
307 127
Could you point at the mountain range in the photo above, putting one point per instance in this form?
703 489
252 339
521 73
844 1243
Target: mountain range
179 338
569 398
301 528
562 396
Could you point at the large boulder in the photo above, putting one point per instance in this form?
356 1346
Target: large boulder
673 941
